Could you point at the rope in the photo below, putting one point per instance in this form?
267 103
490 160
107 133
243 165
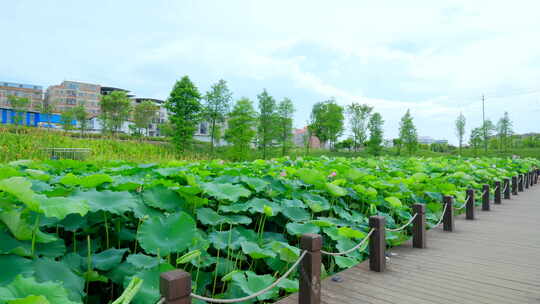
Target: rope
442 217
505 187
161 301
352 249
464 204
258 293
403 227
484 193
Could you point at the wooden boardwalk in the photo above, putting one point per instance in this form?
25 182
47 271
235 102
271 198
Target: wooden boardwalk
492 259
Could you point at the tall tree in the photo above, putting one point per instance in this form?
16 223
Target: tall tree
115 110
217 104
66 119
47 109
487 129
476 138
375 126
407 133
80 114
143 114
185 112
241 127
19 105
266 129
358 119
504 130
327 121
460 130
285 111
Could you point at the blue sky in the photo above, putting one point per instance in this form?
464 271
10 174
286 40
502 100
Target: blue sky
435 58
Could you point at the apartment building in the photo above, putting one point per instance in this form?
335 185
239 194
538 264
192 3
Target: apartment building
69 94
34 93
161 117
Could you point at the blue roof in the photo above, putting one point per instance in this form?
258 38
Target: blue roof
20 85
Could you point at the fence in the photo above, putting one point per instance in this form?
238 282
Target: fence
175 286
68 153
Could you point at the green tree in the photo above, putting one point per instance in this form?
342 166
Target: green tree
358 119
285 111
460 130
80 114
241 128
115 110
476 138
504 131
19 105
143 115
407 133
66 119
398 144
217 105
375 126
327 121
185 110
266 129
47 109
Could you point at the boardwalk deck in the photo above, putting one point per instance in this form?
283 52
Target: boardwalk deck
493 259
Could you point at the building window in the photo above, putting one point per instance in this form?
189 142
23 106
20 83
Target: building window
203 128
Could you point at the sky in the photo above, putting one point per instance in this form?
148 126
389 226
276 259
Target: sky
436 58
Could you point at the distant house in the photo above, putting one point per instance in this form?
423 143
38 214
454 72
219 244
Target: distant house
300 139
426 140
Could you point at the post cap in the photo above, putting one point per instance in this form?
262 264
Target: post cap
175 284
311 242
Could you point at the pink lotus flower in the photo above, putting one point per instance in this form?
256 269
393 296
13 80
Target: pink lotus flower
283 173
333 174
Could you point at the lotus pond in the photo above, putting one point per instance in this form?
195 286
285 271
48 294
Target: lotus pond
86 232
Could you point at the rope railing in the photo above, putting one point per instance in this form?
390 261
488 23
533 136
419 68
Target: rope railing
352 249
442 217
258 293
464 204
404 226
505 188
161 301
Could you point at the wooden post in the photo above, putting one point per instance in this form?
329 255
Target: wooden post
506 188
526 177
531 177
514 185
485 198
377 244
498 191
537 174
521 177
469 209
175 287
310 271
419 226
448 217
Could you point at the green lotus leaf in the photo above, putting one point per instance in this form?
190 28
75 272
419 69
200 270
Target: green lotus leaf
167 234
312 177
94 180
316 202
257 205
30 300
251 283
21 188
224 239
350 233
208 216
296 214
142 261
256 184
70 179
394 202
108 259
256 252
94 276
335 190
236 220
22 287
227 192
60 207
21 229
126 183
299 229
51 270
294 203
38 174
235 208
345 262
113 202
322 222
12 266
8 171
162 198
289 285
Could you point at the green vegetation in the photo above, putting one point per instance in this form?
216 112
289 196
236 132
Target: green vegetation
115 110
87 232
